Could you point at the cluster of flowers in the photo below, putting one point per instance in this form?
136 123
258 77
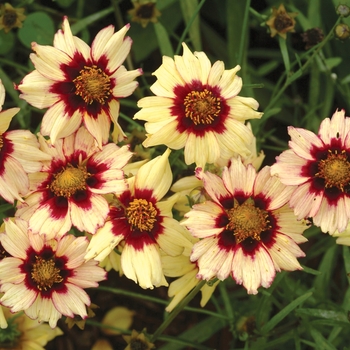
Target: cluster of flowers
83 208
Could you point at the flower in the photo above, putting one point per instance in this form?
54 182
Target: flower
145 223
44 277
343 237
10 17
281 21
197 108
69 189
248 230
343 10
144 12
79 83
19 155
319 167
23 333
185 271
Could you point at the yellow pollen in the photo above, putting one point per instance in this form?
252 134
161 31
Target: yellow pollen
1 142
335 170
92 84
202 107
68 181
247 220
45 273
141 214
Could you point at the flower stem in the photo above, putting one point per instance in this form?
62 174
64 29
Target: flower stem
177 310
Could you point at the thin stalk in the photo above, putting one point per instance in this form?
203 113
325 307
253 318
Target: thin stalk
189 26
177 310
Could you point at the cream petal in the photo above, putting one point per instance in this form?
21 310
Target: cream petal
35 89
98 127
215 73
63 39
155 175
17 296
100 41
89 217
6 117
125 82
230 84
48 61
143 266
205 66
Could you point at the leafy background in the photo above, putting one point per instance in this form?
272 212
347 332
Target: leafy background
306 309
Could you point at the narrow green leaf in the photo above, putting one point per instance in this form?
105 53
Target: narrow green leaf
188 7
321 342
80 25
310 271
346 257
163 40
284 313
326 314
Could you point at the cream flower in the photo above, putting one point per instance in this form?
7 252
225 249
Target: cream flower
19 155
318 168
69 190
23 333
80 84
44 277
247 230
144 221
197 108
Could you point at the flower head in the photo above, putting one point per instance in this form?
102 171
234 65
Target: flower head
144 221
312 37
197 108
79 83
10 17
19 155
281 21
144 12
318 168
138 341
342 31
69 189
248 230
44 277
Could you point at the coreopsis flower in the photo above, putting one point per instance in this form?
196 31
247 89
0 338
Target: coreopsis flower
247 230
144 12
342 31
10 17
318 168
185 271
22 333
44 277
79 83
144 221
281 22
312 37
69 189
19 155
197 108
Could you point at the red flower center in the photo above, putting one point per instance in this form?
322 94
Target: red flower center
45 273
92 84
335 170
68 181
247 220
202 107
141 214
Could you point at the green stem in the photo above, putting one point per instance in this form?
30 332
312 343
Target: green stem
189 26
285 55
244 34
177 310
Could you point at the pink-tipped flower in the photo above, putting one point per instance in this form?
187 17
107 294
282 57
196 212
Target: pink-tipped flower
44 277
80 84
319 168
248 230
69 189
19 155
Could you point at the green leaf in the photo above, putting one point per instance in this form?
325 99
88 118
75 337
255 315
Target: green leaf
310 271
188 7
284 313
7 41
163 40
65 3
326 314
38 27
